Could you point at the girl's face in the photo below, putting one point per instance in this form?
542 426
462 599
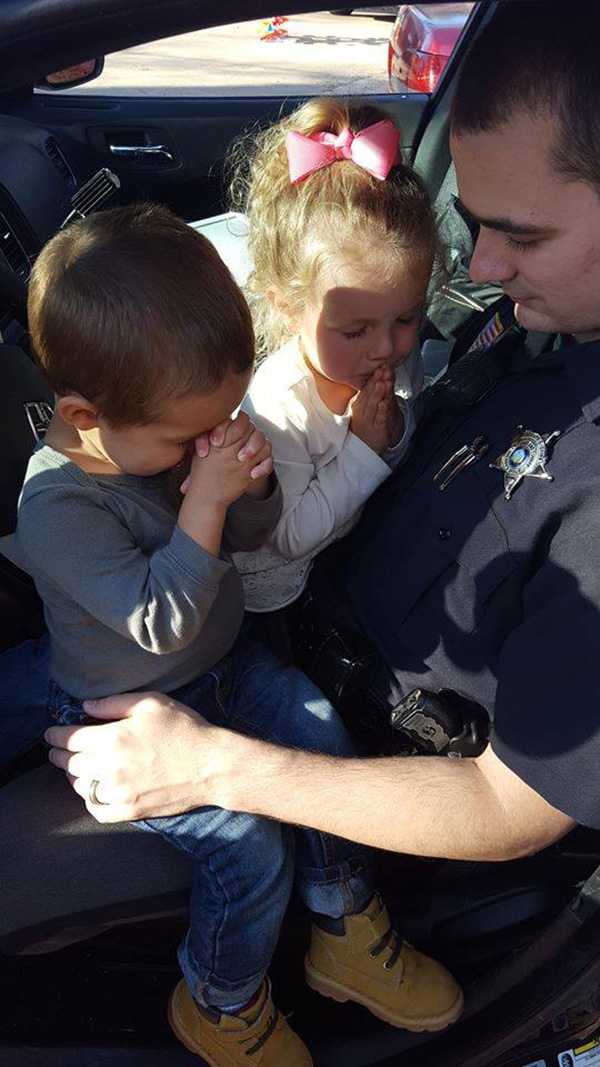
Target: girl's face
357 322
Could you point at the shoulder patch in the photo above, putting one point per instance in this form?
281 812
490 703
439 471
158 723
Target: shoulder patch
490 333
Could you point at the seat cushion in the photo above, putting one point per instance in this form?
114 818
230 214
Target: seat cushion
65 876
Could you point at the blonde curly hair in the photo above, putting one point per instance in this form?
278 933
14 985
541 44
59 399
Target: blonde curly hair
337 212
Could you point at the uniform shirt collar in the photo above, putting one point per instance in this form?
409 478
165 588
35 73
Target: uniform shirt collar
582 366
581 363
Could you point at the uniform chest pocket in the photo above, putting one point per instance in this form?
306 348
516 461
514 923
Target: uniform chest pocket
454 564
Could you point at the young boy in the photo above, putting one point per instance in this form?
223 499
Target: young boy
148 345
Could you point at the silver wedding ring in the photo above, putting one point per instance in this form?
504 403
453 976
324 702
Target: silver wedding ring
93 793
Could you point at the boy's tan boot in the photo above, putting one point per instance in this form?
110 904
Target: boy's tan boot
368 963
257 1037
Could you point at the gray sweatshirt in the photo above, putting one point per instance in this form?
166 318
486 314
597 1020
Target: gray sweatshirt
131 602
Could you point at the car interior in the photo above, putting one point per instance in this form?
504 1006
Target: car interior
92 914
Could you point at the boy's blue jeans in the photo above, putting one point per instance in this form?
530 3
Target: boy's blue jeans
244 866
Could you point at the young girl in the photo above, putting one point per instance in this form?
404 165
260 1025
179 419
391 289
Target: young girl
343 240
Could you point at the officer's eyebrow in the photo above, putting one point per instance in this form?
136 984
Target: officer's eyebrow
524 229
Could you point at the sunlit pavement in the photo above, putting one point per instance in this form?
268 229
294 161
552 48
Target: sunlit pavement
321 52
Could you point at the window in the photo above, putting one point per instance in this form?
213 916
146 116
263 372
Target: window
322 53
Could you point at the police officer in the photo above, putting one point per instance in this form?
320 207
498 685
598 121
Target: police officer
476 569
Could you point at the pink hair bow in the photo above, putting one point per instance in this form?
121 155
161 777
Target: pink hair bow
375 149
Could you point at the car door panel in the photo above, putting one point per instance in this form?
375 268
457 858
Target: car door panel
195 132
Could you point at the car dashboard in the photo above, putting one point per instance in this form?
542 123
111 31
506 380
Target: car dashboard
37 182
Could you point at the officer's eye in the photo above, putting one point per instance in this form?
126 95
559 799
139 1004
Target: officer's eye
519 246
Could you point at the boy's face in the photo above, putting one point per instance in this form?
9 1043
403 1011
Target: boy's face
162 444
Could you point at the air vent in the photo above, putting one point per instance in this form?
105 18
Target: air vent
12 251
60 162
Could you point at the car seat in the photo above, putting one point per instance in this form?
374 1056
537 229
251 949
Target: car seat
114 873
25 407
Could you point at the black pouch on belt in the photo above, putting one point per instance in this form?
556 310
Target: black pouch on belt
441 724
337 658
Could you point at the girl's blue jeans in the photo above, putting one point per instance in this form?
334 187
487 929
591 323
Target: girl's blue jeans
244 866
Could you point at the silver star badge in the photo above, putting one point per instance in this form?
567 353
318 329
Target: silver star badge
526 458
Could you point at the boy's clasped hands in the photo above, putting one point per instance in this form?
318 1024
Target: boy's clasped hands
232 459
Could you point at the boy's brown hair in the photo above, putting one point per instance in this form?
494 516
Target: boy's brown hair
131 307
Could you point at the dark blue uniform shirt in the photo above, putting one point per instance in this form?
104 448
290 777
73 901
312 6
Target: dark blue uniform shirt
497 599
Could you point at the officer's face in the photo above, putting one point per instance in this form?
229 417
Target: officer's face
540 231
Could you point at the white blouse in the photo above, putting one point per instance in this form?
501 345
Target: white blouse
326 472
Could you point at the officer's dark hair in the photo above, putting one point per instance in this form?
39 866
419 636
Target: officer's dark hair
541 58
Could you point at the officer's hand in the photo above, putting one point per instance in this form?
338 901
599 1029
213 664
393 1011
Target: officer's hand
149 756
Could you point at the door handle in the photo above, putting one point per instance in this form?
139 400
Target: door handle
142 151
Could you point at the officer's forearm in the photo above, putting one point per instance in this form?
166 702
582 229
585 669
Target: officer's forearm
423 805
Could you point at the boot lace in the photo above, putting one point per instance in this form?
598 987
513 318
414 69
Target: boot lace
264 1037
390 938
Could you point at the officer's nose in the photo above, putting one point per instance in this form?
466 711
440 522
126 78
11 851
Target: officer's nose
492 260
